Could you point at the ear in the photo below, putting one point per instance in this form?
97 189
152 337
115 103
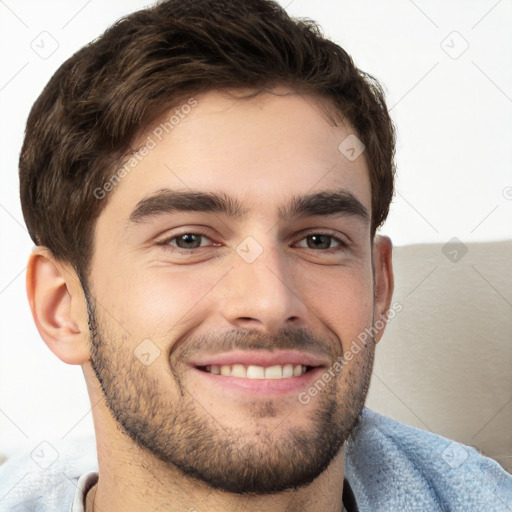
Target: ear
383 283
58 306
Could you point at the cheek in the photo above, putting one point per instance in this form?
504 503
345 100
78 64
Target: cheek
341 300
159 302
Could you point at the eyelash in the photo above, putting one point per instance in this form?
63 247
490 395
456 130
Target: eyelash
342 245
166 245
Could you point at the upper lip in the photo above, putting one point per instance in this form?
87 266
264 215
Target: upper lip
260 358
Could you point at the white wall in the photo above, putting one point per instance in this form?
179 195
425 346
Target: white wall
454 154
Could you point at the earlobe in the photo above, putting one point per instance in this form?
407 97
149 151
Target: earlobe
57 306
383 284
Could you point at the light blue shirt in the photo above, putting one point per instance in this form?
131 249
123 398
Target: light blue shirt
390 467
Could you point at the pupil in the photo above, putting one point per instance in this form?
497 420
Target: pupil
189 241
319 241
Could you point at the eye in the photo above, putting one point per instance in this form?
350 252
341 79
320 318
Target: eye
321 241
188 241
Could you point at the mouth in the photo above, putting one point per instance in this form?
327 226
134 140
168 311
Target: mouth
261 373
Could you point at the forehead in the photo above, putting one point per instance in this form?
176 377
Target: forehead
261 150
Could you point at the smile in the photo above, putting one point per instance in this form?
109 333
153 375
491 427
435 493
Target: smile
260 372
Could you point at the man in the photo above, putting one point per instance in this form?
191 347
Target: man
204 184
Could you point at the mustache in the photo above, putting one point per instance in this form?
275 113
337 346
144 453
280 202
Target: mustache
284 339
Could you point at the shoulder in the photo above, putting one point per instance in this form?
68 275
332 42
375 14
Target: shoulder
392 466
46 478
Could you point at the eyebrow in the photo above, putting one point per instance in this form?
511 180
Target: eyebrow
168 201
324 203
320 203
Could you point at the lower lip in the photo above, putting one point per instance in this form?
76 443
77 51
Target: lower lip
267 387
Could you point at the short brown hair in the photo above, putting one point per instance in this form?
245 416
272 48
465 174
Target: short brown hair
89 114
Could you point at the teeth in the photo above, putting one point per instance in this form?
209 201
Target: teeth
274 372
238 370
255 372
288 370
258 372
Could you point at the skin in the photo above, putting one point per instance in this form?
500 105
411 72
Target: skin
165 439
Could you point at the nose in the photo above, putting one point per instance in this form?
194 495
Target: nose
263 294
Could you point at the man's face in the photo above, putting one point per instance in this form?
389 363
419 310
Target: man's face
270 274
